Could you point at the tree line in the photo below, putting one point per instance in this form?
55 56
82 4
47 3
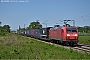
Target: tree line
36 25
33 25
84 30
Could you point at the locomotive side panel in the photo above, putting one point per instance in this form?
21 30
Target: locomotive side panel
56 34
59 35
51 34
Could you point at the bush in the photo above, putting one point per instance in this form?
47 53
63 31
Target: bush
3 32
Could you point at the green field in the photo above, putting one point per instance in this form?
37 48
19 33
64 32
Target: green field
84 39
19 47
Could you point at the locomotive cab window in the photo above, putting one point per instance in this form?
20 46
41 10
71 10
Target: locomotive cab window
74 30
71 30
68 29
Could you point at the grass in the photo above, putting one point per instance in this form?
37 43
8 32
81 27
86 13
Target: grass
84 39
18 47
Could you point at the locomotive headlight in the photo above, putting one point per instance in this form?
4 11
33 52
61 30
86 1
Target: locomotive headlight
75 35
68 34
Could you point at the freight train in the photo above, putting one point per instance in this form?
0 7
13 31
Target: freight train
66 34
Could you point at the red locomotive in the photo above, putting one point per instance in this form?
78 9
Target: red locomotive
66 34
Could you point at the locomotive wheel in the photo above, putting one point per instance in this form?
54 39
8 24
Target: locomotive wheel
51 41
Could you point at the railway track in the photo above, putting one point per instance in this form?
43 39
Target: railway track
80 47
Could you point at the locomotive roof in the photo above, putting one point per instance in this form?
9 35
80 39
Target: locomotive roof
69 27
47 28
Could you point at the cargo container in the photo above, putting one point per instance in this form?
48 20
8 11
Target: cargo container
37 33
28 33
32 33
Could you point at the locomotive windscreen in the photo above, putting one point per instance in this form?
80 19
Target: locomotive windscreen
71 30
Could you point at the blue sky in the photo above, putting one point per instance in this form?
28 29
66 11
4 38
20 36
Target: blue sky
52 11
